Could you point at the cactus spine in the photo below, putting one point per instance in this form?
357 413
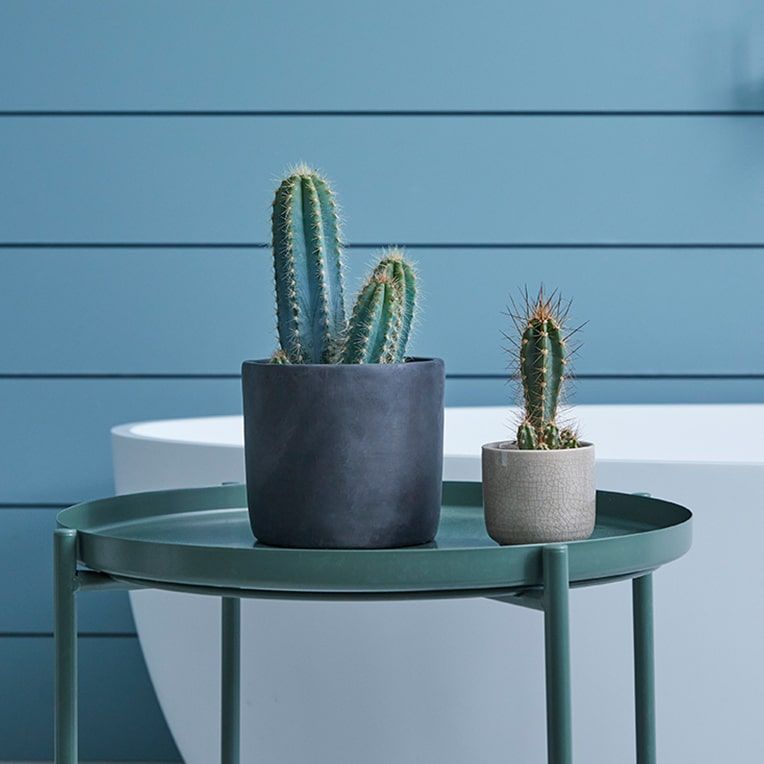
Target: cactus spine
542 365
310 302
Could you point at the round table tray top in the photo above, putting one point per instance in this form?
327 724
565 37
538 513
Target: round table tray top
199 539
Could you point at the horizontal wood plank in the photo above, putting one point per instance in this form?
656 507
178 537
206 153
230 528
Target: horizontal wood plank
55 443
401 180
496 392
487 54
26 603
120 719
204 311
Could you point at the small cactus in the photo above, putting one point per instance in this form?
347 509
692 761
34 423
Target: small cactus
568 438
310 303
404 274
381 319
526 437
542 359
279 357
551 436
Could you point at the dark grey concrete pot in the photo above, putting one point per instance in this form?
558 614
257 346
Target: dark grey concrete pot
344 456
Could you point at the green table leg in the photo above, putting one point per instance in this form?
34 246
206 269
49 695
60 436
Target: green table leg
644 669
231 680
65 586
557 643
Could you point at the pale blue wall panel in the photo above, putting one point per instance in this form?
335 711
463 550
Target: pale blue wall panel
26 598
128 311
339 54
56 432
120 718
496 392
625 180
56 445
204 311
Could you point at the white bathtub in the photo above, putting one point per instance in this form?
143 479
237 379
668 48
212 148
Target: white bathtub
462 682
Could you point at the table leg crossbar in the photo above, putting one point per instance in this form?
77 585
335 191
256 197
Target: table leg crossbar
553 601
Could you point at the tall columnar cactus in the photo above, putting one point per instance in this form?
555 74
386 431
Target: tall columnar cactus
380 323
542 365
310 301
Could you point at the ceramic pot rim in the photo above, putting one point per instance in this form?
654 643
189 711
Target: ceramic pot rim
511 446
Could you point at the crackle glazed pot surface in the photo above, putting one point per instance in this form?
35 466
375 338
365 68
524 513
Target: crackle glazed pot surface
538 496
344 455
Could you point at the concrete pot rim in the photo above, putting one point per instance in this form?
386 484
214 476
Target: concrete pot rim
511 446
344 368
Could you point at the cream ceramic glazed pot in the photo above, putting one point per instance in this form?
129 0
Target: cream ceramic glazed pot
538 496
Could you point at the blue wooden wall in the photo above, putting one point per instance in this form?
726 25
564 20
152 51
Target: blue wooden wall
614 150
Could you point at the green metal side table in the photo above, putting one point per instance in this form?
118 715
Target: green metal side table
199 541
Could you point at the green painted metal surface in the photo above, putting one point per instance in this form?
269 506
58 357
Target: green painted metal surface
644 669
200 538
65 587
559 717
230 684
